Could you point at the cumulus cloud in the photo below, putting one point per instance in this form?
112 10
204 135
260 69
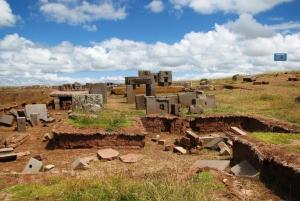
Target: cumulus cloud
7 18
74 13
155 6
246 26
227 6
92 28
223 51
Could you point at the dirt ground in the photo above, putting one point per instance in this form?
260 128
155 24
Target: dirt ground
155 161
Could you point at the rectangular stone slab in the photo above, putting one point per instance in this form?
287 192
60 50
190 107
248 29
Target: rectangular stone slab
218 164
214 143
7 119
244 169
33 166
36 108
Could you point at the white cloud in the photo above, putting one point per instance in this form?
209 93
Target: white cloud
75 13
246 26
224 51
92 28
7 18
227 6
155 6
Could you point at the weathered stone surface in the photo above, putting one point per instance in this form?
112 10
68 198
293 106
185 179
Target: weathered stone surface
158 105
169 147
7 154
35 118
7 119
86 101
206 139
21 124
237 131
214 143
185 142
194 138
140 102
161 142
196 109
15 140
179 150
107 154
221 145
218 164
225 151
33 166
131 158
49 167
244 169
185 99
36 108
79 164
14 112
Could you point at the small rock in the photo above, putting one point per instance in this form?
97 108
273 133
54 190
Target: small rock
48 167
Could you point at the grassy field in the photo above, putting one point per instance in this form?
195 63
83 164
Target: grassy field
276 100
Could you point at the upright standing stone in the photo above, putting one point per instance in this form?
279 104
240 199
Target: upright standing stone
130 93
21 124
99 88
56 103
151 89
35 118
140 102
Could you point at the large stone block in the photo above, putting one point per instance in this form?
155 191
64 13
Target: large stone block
185 99
140 102
84 101
196 109
37 108
150 90
21 124
7 119
99 88
158 105
33 166
176 109
130 93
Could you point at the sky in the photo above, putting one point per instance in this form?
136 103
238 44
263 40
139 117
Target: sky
53 42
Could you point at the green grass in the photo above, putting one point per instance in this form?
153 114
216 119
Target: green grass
108 119
201 186
275 138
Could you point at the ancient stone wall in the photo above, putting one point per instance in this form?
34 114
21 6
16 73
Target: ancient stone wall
213 123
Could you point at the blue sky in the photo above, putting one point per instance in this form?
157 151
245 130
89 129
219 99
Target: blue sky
63 41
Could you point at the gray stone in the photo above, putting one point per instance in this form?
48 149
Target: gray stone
37 108
35 118
244 169
21 122
179 150
206 139
225 151
185 99
131 158
214 143
130 93
86 101
196 109
7 154
238 131
33 166
107 154
49 167
7 119
176 109
140 102
158 105
99 88
218 164
79 164
14 112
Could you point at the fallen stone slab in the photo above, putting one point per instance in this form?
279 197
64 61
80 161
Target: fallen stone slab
33 166
179 150
194 138
22 154
225 151
7 119
107 154
244 169
237 131
7 154
131 158
218 164
36 109
214 143
206 139
79 164
49 167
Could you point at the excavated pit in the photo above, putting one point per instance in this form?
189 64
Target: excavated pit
66 136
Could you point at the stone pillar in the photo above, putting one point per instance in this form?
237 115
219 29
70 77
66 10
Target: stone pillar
35 118
140 102
56 103
150 89
99 88
130 93
21 124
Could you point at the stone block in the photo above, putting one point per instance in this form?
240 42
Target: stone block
107 154
14 112
99 88
179 150
151 89
221 145
185 142
174 99
225 151
7 154
140 102
185 99
56 101
130 93
176 109
194 138
196 109
237 131
131 158
49 167
21 124
218 164
35 118
37 108
169 147
158 105
7 119
244 169
214 143
161 142
79 164
206 139
33 166
86 101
